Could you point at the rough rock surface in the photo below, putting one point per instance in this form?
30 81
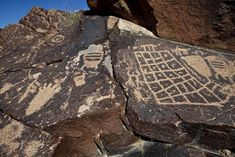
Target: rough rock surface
63 75
178 93
208 23
18 139
139 12
77 87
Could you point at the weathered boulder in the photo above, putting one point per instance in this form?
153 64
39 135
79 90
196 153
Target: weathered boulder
138 11
80 86
208 23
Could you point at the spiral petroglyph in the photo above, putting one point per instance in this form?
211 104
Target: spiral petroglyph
57 39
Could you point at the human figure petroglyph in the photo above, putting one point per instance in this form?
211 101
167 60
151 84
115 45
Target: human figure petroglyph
86 63
93 57
183 78
40 42
89 58
57 39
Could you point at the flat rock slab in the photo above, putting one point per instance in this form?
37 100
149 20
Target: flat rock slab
178 93
20 140
44 96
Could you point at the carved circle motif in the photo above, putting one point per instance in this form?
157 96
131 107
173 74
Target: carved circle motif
57 38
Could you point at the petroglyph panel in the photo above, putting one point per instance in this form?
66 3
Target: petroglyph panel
169 84
177 77
45 95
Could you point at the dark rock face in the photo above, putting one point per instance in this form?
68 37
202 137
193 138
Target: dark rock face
204 23
76 85
177 93
127 145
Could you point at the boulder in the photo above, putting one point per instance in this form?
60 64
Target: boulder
127 145
204 23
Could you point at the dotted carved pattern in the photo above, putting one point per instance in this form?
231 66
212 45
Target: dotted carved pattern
172 83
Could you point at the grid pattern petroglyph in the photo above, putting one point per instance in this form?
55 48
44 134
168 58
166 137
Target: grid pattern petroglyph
171 82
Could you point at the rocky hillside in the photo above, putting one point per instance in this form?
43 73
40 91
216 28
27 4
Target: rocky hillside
97 86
